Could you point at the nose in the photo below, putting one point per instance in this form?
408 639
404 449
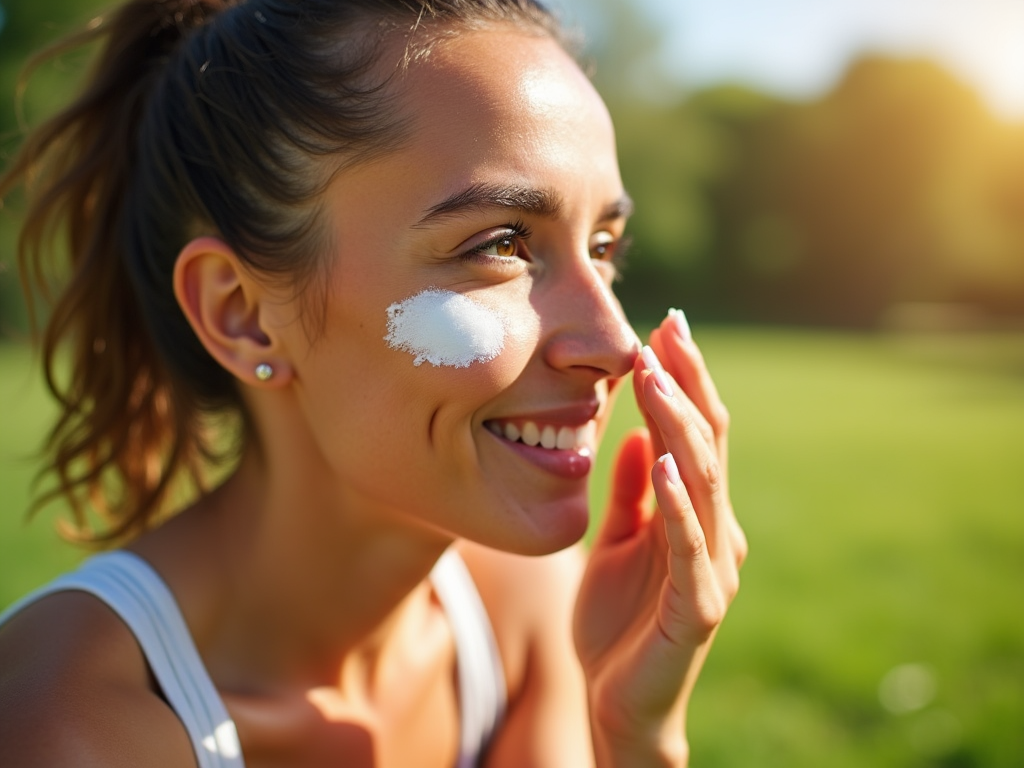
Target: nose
588 331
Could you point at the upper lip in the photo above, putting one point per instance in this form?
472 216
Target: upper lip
573 415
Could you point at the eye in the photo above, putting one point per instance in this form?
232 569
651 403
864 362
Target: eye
610 251
508 246
602 246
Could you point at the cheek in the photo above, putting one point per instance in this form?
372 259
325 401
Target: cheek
482 339
446 329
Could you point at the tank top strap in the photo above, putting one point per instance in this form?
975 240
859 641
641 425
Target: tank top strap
481 676
137 594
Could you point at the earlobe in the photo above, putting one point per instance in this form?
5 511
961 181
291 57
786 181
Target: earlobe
222 303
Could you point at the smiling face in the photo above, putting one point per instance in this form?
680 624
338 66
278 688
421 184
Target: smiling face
507 201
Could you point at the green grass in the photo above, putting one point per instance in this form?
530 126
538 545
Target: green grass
880 481
31 552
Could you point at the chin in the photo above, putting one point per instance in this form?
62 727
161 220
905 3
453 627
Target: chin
550 526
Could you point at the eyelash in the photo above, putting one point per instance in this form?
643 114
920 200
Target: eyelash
520 232
516 231
619 255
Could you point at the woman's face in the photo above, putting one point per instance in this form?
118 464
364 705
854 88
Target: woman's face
508 194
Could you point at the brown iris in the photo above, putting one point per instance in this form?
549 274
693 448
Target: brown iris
505 247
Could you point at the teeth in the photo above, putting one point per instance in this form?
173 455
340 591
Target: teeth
549 436
587 434
531 435
566 439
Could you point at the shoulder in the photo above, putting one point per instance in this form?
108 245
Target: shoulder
75 689
530 601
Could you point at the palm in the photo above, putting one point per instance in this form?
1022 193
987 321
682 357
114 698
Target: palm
624 575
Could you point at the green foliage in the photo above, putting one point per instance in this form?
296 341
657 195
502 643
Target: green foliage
30 551
24 101
897 187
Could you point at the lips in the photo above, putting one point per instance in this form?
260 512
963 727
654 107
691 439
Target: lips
560 441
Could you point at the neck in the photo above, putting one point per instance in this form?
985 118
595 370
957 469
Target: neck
291 583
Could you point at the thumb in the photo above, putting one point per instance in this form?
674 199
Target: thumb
631 489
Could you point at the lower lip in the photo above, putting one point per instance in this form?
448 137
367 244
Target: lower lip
570 465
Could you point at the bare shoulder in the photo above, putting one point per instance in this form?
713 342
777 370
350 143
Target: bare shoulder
530 602
75 689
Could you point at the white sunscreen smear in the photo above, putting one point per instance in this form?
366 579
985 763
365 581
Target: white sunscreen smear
445 328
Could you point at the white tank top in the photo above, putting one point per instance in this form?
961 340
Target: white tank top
127 584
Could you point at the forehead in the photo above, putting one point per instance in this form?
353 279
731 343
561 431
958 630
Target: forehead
506 101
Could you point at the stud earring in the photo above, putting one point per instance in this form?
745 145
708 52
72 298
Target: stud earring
264 371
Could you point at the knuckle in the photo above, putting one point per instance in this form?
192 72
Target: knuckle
694 618
697 545
687 421
720 418
741 548
709 614
730 585
707 432
712 474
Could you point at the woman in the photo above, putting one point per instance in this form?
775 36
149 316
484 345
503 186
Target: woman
382 233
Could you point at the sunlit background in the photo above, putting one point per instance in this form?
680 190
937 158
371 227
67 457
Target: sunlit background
854 164
834 191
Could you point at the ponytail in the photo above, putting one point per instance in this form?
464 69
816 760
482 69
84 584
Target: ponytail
219 117
119 409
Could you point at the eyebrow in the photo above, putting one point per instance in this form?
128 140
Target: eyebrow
481 196
538 202
619 209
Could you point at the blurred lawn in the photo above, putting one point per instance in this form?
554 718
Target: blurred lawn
880 480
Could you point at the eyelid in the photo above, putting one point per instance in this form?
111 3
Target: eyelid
487 244
615 261
516 231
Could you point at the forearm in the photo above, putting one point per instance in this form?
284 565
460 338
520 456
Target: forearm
641 722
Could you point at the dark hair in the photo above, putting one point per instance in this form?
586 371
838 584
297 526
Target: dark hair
200 117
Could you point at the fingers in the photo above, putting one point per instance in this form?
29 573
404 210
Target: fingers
740 547
630 491
680 427
693 603
657 444
675 347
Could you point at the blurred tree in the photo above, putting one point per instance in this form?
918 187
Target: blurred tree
897 187
877 195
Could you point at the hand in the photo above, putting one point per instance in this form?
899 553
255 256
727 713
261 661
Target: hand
658 583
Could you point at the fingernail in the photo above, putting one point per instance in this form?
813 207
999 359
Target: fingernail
671 470
664 383
682 326
650 359
661 378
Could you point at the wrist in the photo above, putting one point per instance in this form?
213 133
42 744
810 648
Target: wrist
624 742
610 752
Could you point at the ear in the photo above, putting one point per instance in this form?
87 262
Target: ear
222 303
